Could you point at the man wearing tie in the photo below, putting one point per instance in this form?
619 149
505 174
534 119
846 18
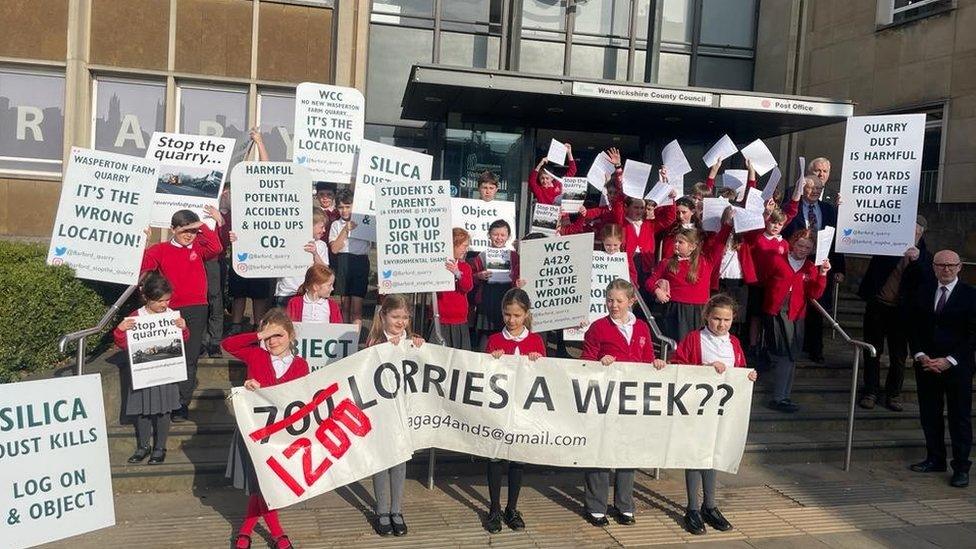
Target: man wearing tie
942 340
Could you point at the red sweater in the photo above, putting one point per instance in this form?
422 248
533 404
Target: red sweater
296 306
807 283
603 338
453 305
689 351
547 195
247 348
531 344
183 266
645 239
746 265
122 342
694 293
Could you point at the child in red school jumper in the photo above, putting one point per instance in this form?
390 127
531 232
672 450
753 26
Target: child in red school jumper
151 406
516 338
546 188
640 233
181 260
391 324
711 346
685 217
312 303
619 336
789 283
487 293
267 354
452 305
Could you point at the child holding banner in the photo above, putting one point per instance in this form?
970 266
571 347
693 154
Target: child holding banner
489 290
312 304
267 354
516 339
453 305
181 261
546 188
712 346
391 323
351 260
151 406
618 336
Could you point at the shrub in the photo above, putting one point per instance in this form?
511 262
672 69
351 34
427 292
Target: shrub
38 304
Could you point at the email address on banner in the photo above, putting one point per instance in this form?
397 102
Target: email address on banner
543 438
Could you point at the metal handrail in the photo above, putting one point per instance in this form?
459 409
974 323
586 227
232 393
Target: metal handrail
80 335
858 346
666 342
833 335
437 338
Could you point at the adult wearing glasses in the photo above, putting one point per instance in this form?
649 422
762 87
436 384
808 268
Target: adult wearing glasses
942 338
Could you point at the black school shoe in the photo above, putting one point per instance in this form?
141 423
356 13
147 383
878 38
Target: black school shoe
494 522
399 525
157 457
623 518
384 529
514 520
694 523
715 519
139 455
786 406
597 521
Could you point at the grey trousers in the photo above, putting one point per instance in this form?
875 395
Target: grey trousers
598 489
700 479
158 425
784 368
388 490
215 304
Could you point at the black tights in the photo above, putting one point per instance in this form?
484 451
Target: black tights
158 424
495 470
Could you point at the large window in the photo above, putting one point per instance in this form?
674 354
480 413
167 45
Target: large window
126 113
31 121
218 111
276 122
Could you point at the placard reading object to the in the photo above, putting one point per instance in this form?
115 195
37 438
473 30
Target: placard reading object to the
475 216
329 124
192 172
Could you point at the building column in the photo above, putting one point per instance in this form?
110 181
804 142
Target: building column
77 80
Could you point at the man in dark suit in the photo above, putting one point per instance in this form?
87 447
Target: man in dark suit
887 289
942 339
815 214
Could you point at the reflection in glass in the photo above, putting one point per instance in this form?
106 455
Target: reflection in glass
277 116
31 121
219 112
723 72
538 57
419 8
728 22
673 69
544 14
678 21
469 153
476 11
127 114
603 17
392 52
469 50
599 62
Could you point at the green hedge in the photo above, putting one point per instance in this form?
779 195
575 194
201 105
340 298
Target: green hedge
38 304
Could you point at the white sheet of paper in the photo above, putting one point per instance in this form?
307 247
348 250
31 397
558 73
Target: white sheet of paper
635 178
803 166
744 220
735 179
557 153
762 159
599 170
770 189
825 237
660 194
721 150
674 160
712 210
754 201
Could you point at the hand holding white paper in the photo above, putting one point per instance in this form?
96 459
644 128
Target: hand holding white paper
825 238
599 170
721 150
749 218
712 211
674 159
636 175
557 153
758 153
660 194
735 179
770 189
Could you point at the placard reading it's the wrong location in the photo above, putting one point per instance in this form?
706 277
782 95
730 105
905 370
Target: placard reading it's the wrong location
556 271
879 183
413 236
377 163
55 477
321 343
106 203
272 218
329 124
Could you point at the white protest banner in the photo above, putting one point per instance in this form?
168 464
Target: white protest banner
545 218
106 202
759 155
825 238
770 189
556 271
722 149
321 343
574 193
475 216
192 171
879 183
156 353
272 217
413 236
557 153
498 263
674 160
606 269
378 162
329 124
635 178
712 211
600 170
372 410
735 179
55 477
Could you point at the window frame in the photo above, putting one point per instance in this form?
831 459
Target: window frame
260 92
40 174
207 86
886 12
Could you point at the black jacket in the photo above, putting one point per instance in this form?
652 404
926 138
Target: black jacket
917 273
828 218
949 333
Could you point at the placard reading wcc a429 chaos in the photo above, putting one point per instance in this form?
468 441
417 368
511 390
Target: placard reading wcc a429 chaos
55 478
556 271
106 201
192 171
379 162
329 122
413 236
272 218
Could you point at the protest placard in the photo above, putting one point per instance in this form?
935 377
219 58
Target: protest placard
721 150
329 124
606 269
557 153
673 158
413 236
475 216
192 171
378 162
759 155
712 211
272 217
574 193
498 263
55 477
545 218
879 183
321 343
105 206
825 238
156 353
600 170
557 271
635 178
